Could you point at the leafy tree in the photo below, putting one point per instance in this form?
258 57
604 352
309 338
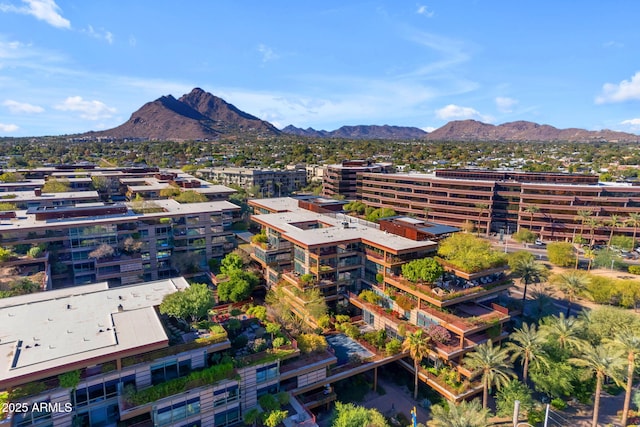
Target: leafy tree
555 379
380 213
628 342
603 361
191 197
571 285
230 263
422 270
604 322
170 192
275 417
5 254
102 251
524 236
192 303
563 331
463 414
514 258
350 415
268 402
526 344
238 287
11 177
369 296
622 242
493 364
258 311
251 417
507 396
394 346
273 328
561 254
418 344
355 206
470 253
614 221
531 210
606 258
634 221
529 271
56 186
583 216
311 343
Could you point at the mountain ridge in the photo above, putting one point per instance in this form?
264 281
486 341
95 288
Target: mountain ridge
199 115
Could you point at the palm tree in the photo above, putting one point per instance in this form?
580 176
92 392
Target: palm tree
493 363
565 331
526 344
593 223
531 210
481 208
583 215
463 414
418 344
603 361
529 271
589 254
571 285
627 341
614 222
634 221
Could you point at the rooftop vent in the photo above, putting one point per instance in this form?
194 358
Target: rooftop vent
120 308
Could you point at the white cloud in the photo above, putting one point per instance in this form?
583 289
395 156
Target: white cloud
505 104
267 53
424 10
8 128
626 90
99 34
456 112
632 124
89 110
43 10
22 107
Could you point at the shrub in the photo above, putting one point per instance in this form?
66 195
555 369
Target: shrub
524 236
438 333
259 344
558 404
310 343
34 252
561 254
69 379
278 342
634 269
4 206
369 296
422 270
393 347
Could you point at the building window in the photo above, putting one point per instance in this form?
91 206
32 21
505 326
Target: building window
227 417
425 320
177 411
266 373
85 395
225 396
169 370
368 317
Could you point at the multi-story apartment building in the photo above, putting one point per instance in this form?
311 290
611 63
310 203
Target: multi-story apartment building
493 201
271 182
95 355
342 256
341 179
81 239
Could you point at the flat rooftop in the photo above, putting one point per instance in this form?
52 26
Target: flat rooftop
334 228
54 329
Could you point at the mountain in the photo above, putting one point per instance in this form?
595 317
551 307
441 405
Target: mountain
196 115
360 132
472 130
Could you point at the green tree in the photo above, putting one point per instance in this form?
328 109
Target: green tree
524 236
230 263
350 415
602 361
56 186
275 417
571 285
507 396
238 287
561 254
192 303
593 223
422 270
272 328
191 196
493 364
562 331
531 210
418 344
355 206
628 342
463 414
529 271
482 207
470 253
614 221
583 216
526 344
634 221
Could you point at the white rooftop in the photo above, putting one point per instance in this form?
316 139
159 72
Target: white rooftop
335 228
52 329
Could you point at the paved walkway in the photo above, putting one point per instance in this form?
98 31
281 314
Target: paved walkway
397 399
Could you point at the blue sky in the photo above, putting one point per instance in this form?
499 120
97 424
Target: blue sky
74 66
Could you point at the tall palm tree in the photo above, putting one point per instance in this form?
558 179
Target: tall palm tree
481 208
614 221
463 414
526 344
565 331
592 223
582 216
634 221
494 365
531 210
589 254
418 344
529 271
627 341
571 285
603 361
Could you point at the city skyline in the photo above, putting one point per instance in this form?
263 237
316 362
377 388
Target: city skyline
68 67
